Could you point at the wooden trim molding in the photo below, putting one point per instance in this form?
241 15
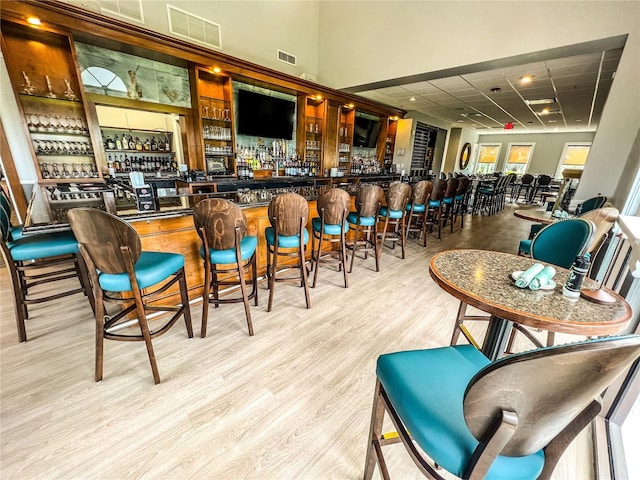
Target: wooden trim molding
13 180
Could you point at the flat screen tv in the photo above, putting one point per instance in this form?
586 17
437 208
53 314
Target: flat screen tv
263 116
365 132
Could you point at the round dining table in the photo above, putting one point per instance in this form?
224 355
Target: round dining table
536 215
482 279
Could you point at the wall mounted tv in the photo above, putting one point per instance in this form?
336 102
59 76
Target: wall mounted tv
263 116
365 132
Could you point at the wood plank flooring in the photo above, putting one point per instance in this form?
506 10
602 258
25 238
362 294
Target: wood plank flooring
292 402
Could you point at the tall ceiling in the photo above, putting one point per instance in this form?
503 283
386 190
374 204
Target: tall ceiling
575 81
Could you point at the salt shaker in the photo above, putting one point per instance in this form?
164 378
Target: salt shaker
577 274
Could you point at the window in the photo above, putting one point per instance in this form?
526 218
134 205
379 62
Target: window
487 157
574 156
518 158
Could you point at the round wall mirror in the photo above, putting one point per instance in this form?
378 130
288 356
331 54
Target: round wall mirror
465 156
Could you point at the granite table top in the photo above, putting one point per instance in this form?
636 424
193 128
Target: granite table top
482 279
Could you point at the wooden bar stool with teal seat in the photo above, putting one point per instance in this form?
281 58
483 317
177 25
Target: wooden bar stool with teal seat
460 200
34 260
417 209
15 231
364 222
501 420
394 215
121 273
287 237
331 226
229 255
448 202
434 205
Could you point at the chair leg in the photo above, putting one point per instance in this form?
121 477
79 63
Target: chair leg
376 247
374 449
384 234
146 335
245 298
303 271
318 253
402 236
254 278
205 300
272 278
184 299
343 249
99 338
354 249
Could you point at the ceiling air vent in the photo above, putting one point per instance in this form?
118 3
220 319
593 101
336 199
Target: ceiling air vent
129 9
193 27
287 58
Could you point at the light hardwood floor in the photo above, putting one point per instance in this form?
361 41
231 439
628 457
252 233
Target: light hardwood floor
292 402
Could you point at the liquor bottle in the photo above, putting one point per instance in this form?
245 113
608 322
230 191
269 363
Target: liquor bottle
132 143
160 144
167 144
138 144
577 274
146 146
110 144
154 144
118 142
45 171
127 163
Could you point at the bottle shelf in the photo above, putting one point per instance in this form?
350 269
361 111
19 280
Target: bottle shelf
53 100
145 152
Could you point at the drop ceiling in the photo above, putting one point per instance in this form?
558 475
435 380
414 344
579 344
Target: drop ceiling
486 96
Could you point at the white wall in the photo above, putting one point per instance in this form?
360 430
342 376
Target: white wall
389 39
546 153
251 30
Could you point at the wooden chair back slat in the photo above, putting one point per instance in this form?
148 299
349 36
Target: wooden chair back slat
103 235
421 191
287 212
545 403
219 219
368 200
439 187
398 196
333 206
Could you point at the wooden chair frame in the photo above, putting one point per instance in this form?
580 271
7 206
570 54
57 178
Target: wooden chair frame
365 238
397 200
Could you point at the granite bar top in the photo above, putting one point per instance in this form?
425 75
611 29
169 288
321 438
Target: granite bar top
483 279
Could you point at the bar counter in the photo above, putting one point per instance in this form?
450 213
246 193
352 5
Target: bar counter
169 228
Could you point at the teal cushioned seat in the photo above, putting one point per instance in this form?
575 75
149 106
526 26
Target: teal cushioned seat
35 247
328 229
525 246
391 213
352 218
418 207
485 191
151 268
434 203
459 198
248 246
285 242
16 233
447 201
432 410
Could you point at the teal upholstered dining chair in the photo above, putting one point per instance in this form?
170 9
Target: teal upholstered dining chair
37 259
364 222
287 237
229 256
15 231
121 273
498 421
560 242
331 227
592 203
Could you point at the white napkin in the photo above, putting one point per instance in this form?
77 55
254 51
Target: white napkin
525 278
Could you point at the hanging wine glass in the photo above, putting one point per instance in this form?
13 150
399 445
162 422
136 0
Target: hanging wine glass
205 112
27 88
226 115
54 123
43 122
68 93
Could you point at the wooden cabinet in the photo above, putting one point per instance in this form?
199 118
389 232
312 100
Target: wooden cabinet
345 135
44 75
130 150
215 120
314 125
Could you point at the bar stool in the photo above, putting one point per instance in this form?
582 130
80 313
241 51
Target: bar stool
394 214
365 238
434 205
222 226
121 273
540 185
417 209
331 226
38 259
460 200
448 202
16 231
287 236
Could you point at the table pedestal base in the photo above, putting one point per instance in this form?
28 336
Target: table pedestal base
495 342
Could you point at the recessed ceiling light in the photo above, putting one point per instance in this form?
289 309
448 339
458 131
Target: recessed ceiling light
216 69
541 101
527 79
552 121
460 121
412 99
579 120
33 20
